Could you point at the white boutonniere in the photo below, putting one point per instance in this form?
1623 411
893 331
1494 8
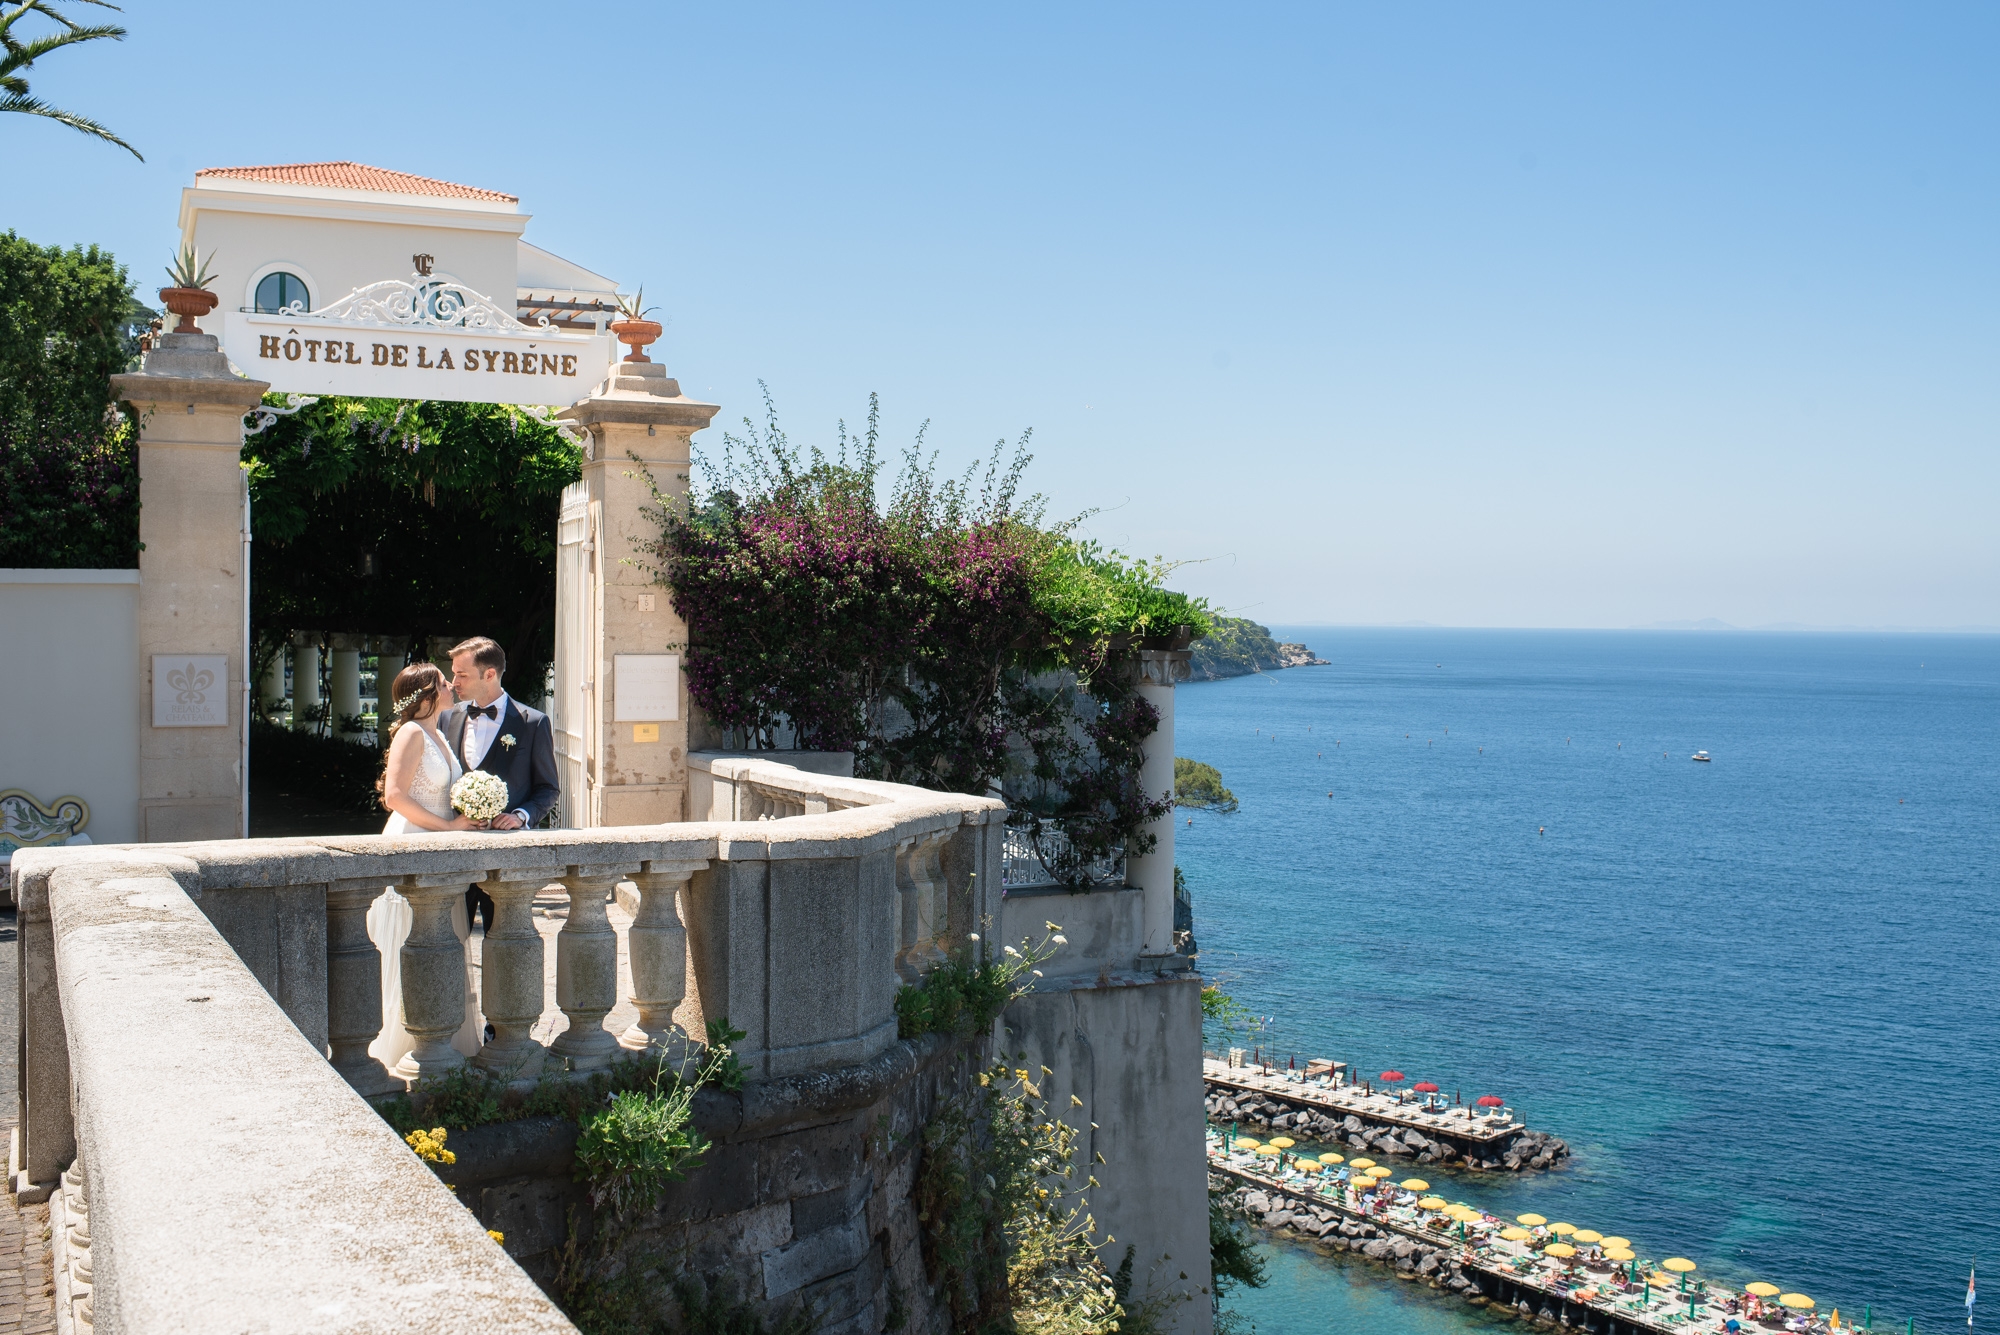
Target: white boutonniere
507 740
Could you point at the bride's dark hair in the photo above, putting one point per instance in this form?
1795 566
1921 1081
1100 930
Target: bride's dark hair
417 685
414 687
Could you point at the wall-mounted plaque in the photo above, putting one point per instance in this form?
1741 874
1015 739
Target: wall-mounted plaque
190 691
647 686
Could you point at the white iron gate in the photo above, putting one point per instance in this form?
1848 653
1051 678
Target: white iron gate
576 625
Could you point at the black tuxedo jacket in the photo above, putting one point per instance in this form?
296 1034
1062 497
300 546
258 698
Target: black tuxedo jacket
528 767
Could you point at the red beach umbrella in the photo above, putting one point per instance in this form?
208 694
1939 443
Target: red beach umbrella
1425 1087
1492 1101
1392 1075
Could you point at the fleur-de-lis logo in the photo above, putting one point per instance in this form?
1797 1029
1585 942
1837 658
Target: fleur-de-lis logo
190 684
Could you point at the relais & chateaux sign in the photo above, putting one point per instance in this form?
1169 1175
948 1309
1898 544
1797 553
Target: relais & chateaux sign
431 338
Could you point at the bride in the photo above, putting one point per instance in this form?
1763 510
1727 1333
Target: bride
416 787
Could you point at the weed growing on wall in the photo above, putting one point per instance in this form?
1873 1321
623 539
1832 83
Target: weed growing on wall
961 998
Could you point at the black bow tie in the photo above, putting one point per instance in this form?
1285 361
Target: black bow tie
490 711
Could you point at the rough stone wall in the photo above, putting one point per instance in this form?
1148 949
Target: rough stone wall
1127 1049
805 1197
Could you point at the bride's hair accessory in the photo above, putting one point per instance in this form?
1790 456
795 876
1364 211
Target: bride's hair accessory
414 685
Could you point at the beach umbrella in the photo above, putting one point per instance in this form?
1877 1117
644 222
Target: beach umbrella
1379 1173
1425 1087
1562 1230
1415 1184
1615 1241
1620 1253
1588 1235
1362 1163
1797 1301
1680 1265
1761 1289
1283 1142
1515 1233
1269 1151
1310 1165
1246 1143
1531 1220
1331 1159
1392 1076
1492 1101
1663 1280
1431 1203
1562 1249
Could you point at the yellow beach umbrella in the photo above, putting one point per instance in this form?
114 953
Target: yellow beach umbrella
1515 1233
1331 1158
1531 1220
1762 1289
1309 1165
1615 1241
1559 1249
1283 1142
1364 1163
1798 1301
1588 1235
1269 1151
1431 1203
1362 1183
1620 1254
1678 1264
1659 1279
1415 1184
1246 1142
1562 1230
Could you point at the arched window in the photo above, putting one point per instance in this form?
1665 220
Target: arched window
277 291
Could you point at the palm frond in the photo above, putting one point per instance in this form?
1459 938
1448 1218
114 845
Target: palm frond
29 106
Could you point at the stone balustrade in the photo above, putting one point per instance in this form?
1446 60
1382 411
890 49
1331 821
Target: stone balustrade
210 1008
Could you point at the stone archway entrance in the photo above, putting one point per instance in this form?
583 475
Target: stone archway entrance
437 335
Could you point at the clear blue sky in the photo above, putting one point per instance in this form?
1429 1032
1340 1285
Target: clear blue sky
1484 314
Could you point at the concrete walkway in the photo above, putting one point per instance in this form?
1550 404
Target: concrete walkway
27 1299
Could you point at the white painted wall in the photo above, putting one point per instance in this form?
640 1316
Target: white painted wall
68 643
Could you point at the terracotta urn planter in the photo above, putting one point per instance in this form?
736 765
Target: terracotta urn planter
636 334
188 302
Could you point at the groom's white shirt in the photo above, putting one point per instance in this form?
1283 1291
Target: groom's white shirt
479 734
480 731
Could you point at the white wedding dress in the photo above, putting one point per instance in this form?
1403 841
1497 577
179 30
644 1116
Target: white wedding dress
389 917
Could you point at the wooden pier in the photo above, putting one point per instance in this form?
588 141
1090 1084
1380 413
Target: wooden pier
1459 1124
1499 1271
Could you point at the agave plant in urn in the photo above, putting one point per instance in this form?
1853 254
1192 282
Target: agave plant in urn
632 327
189 296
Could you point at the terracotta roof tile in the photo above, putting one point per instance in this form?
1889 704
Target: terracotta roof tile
356 176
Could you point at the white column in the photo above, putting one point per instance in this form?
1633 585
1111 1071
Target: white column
1153 873
587 968
657 945
272 688
305 679
346 673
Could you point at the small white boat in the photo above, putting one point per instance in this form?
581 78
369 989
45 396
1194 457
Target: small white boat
1702 756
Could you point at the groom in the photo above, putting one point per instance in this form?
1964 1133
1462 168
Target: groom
501 736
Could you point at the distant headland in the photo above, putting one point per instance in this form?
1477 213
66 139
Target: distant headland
1239 646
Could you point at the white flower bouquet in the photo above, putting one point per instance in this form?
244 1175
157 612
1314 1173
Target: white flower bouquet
479 795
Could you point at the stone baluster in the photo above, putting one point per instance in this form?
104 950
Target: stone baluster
433 965
354 987
657 945
510 974
587 968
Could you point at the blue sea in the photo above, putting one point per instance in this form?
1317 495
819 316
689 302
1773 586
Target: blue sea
1760 997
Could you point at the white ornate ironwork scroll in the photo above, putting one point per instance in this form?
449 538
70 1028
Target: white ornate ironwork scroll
435 301
264 416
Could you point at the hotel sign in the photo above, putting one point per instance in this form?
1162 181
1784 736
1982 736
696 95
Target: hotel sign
430 338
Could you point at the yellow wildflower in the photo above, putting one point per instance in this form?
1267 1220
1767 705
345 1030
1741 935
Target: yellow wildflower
496 1235
429 1146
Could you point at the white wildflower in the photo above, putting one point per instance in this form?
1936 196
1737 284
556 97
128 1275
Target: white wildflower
1011 951
1060 939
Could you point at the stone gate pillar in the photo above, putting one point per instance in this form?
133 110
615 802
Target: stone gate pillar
636 743
1158 670
192 613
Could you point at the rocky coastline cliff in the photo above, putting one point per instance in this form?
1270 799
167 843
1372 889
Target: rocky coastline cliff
1239 646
